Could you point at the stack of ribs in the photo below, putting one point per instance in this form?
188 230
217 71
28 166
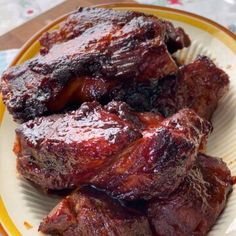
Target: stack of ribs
106 49
109 114
131 156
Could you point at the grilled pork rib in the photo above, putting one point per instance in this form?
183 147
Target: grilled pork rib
198 85
131 155
155 164
88 212
191 210
88 66
195 206
85 19
122 58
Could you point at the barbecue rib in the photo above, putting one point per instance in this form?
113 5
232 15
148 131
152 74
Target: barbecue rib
155 164
88 66
86 18
131 155
88 212
191 210
198 85
62 150
195 206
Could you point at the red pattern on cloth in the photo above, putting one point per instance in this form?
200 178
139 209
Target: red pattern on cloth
178 2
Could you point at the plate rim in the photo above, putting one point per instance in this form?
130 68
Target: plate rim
183 16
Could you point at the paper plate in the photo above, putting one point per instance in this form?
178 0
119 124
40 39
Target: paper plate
22 204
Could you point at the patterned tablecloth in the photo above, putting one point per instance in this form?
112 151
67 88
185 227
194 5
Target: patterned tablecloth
16 12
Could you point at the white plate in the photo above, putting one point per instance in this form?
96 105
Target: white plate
20 201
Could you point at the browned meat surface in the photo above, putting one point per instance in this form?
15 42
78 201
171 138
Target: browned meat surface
88 212
195 206
198 85
155 164
131 155
89 66
191 210
61 151
86 18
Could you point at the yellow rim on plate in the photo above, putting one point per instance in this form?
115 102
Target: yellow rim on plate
218 31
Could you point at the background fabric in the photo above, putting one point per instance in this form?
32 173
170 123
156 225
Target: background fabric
16 12
5 59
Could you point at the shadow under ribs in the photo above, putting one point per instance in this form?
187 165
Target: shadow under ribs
88 66
131 155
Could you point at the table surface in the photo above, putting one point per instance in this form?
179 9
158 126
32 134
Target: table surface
18 36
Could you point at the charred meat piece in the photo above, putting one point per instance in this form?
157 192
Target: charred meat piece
131 155
191 210
86 18
88 67
157 163
61 151
195 206
198 85
88 212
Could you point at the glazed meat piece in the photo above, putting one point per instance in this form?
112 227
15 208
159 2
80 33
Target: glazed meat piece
86 18
157 163
195 206
131 155
191 210
61 151
198 85
88 67
142 121
88 212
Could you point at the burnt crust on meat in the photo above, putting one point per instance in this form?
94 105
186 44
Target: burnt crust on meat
198 85
106 51
85 18
194 207
131 155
